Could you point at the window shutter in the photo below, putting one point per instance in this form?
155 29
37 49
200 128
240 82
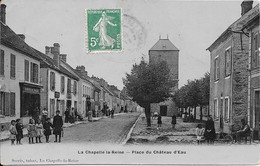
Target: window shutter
2 63
31 72
7 104
12 104
12 66
36 73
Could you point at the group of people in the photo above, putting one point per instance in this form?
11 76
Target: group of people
72 115
108 112
209 134
37 129
159 120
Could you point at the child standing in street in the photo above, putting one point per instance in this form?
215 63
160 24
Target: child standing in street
13 132
173 121
47 129
39 131
19 128
31 131
159 120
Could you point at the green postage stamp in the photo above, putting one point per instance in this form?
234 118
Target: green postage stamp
103 30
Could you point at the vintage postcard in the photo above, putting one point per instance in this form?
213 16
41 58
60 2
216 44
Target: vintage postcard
129 82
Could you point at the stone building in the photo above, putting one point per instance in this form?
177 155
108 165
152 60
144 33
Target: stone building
19 76
164 50
253 111
229 73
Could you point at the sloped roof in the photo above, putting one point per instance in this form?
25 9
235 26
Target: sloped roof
10 39
164 44
237 26
46 61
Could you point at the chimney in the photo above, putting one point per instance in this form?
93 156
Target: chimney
3 6
63 57
47 50
82 70
55 50
246 5
22 36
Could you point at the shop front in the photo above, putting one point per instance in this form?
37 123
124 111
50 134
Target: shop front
30 101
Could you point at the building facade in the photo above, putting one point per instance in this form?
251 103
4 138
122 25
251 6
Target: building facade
19 77
229 56
164 50
59 85
86 91
252 27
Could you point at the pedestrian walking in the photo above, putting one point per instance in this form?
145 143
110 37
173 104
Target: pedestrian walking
44 115
39 131
57 126
159 120
112 113
47 129
210 133
19 129
200 133
13 132
173 121
67 115
31 131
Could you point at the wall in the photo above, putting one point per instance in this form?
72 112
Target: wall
172 59
221 88
12 85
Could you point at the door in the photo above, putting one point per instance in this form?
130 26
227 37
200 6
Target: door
257 112
163 110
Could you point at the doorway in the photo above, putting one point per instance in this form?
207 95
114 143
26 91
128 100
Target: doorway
163 110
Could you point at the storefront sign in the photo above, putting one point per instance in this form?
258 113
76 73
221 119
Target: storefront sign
31 90
57 95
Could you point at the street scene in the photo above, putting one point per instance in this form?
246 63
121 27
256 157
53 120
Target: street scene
129 73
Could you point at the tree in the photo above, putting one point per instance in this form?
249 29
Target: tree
194 93
149 83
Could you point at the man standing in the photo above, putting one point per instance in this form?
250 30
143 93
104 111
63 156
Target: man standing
57 125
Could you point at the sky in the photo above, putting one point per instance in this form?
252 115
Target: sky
192 26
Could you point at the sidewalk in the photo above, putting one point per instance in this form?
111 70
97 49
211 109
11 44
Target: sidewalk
4 135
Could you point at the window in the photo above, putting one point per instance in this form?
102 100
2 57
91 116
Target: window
216 115
52 81
26 70
34 73
228 62
255 50
2 103
216 68
226 109
75 88
69 86
12 66
2 63
62 90
52 107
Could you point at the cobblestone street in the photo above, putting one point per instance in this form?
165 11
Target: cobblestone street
105 130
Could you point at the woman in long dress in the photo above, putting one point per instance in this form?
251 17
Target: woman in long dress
101 27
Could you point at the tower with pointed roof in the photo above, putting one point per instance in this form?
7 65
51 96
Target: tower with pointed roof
165 50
